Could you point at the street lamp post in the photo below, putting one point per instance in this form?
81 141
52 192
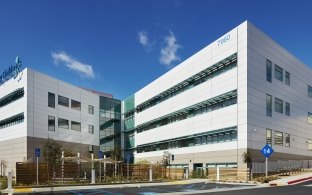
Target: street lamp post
62 166
78 163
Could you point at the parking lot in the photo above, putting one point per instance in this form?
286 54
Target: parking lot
175 187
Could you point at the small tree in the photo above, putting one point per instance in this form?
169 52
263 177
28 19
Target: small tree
166 161
166 158
143 162
115 154
69 153
51 153
246 156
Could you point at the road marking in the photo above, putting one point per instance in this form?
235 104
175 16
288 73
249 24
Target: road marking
308 185
76 192
203 187
190 186
23 190
147 193
93 191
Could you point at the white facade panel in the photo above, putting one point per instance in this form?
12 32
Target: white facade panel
225 117
191 150
212 88
39 86
262 48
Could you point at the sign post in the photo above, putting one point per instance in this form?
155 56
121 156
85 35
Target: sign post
63 166
92 170
128 156
37 155
266 151
100 157
104 168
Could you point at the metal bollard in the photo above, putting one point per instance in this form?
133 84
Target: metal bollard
9 180
150 173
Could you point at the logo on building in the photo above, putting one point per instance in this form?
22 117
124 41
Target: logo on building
12 71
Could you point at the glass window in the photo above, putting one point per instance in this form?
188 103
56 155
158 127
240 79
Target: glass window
75 126
287 139
278 136
268 105
309 91
90 148
278 105
309 117
269 70
63 123
51 100
91 129
204 140
75 105
91 109
13 120
227 136
215 138
309 144
233 135
64 101
287 108
287 78
209 139
197 141
278 73
269 136
221 137
51 123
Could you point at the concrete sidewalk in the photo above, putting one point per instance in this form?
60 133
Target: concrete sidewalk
98 186
291 180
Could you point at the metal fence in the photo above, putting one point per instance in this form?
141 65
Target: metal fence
281 166
226 173
26 173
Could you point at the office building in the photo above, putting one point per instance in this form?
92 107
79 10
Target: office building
238 94
35 107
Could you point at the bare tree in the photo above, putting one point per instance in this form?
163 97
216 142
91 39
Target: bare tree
51 153
166 161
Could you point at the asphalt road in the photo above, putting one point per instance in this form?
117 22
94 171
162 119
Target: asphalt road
150 190
298 189
215 189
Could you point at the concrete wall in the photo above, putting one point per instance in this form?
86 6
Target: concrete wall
260 48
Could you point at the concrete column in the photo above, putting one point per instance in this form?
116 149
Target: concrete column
9 180
151 173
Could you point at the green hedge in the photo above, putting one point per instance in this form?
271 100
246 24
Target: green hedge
4 182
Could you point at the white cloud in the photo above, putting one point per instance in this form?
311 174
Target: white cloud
143 38
168 53
83 70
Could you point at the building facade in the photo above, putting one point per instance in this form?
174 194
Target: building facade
236 95
110 125
36 107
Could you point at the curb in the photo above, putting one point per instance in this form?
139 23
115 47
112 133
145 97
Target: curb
23 190
293 182
299 180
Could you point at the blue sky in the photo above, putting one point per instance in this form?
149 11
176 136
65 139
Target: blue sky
120 46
